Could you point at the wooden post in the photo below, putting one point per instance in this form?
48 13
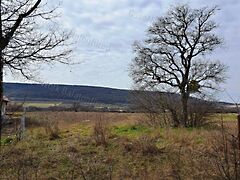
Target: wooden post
21 131
23 118
239 136
23 123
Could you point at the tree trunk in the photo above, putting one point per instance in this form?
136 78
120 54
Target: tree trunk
184 109
1 95
1 74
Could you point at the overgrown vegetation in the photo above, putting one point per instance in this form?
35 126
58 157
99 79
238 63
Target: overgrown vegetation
163 109
100 131
110 146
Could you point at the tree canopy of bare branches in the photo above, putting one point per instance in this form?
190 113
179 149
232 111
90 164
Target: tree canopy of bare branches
174 55
29 37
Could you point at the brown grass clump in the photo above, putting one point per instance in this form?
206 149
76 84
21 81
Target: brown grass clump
145 145
52 130
100 131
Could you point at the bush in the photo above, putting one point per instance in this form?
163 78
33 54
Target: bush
164 109
224 156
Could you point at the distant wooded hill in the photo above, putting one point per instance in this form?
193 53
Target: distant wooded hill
65 93
70 94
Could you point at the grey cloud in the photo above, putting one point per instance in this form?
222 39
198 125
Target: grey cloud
115 25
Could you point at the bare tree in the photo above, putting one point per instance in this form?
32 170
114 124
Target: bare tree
28 38
174 55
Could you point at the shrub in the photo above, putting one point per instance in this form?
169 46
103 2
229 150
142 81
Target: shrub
164 109
224 156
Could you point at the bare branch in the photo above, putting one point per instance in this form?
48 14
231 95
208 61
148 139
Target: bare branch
29 37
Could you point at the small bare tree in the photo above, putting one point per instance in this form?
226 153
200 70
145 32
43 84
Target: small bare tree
174 55
29 37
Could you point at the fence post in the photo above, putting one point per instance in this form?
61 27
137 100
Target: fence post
238 117
23 122
21 130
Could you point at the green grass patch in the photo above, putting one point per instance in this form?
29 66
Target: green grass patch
199 140
41 104
81 130
7 140
224 116
131 131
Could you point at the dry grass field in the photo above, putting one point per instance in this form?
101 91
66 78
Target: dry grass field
69 145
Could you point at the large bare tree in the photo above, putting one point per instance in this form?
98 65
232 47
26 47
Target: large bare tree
174 55
29 37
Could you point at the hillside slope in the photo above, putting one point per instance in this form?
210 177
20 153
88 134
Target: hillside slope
65 93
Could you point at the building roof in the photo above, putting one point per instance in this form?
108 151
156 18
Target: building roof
5 99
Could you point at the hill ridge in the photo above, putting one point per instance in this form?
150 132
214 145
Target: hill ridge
61 92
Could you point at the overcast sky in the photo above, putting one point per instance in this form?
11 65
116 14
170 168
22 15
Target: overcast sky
106 29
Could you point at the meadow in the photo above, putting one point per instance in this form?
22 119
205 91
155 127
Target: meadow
88 145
